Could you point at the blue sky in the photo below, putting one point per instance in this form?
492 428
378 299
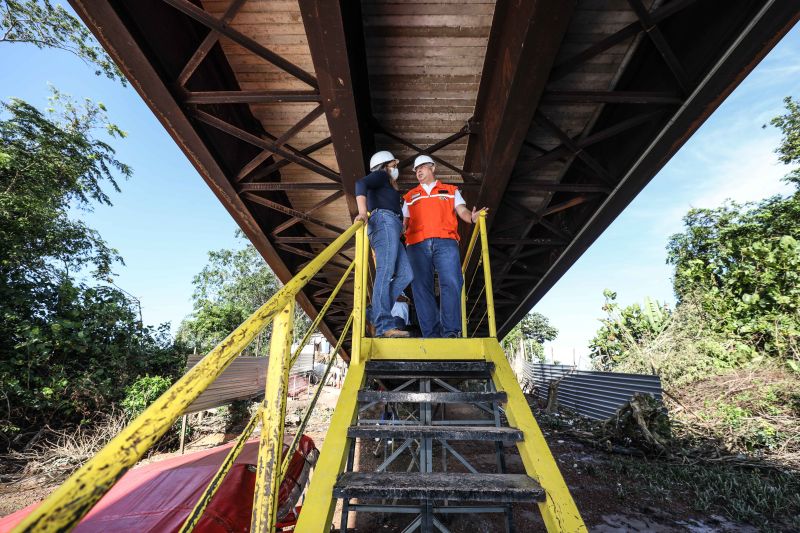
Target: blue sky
166 219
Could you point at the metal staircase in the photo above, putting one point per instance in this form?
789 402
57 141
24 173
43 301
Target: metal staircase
430 490
419 382
438 393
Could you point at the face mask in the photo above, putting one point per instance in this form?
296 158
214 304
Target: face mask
394 173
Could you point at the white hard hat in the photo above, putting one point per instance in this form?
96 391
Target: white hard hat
421 160
379 158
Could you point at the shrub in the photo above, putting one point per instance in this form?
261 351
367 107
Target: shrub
142 393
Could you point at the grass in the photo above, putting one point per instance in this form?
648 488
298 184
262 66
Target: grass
766 498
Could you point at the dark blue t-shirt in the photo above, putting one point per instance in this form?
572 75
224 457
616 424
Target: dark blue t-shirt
377 187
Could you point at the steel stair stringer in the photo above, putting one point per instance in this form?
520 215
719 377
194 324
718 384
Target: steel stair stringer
319 503
558 511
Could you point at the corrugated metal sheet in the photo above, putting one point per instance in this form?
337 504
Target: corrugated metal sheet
245 378
304 363
592 394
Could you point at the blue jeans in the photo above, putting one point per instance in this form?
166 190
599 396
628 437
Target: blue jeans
440 255
392 269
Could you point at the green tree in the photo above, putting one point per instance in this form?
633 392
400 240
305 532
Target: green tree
45 25
533 330
741 262
789 149
625 330
736 278
67 348
230 288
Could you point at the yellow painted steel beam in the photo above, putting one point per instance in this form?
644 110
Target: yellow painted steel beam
464 309
313 327
64 508
268 471
416 349
559 511
302 427
487 274
319 504
360 294
366 284
213 486
470 248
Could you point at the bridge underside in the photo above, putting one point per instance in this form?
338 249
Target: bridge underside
553 114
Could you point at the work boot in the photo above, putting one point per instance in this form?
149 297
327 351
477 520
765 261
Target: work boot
395 333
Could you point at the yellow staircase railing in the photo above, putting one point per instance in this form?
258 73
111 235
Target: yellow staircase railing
558 510
76 496
65 507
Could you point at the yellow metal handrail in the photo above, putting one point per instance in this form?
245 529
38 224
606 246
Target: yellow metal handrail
201 505
65 507
480 230
302 427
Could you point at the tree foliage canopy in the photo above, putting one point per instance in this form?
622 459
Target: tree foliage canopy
66 348
736 278
230 288
534 330
45 25
623 328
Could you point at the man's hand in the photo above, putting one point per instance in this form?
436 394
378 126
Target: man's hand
477 213
361 217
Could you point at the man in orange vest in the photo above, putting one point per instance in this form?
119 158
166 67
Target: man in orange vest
429 217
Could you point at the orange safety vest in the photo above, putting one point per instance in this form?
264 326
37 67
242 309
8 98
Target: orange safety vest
431 215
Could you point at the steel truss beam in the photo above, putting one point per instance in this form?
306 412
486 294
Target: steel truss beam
319 205
252 171
250 97
291 212
610 97
523 44
266 144
208 43
746 50
336 41
129 54
566 66
651 29
219 26
431 150
581 143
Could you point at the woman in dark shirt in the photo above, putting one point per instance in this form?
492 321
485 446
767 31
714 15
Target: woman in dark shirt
378 193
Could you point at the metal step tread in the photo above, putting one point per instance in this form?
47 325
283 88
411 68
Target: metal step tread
503 488
435 397
437 369
475 433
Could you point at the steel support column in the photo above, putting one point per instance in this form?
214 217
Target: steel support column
336 42
522 47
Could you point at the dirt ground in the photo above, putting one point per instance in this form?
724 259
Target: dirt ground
606 498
